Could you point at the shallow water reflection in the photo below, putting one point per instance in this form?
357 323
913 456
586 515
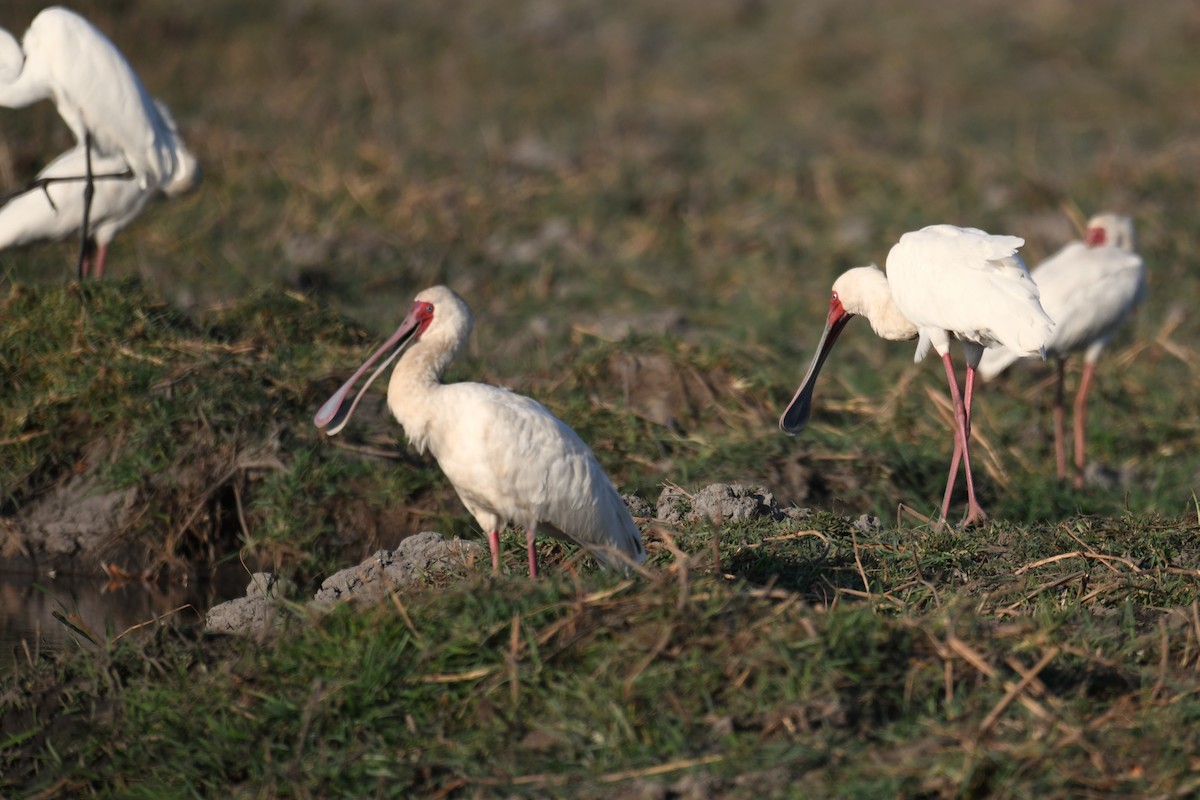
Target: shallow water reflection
29 602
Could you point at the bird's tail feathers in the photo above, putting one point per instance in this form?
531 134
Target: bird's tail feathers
618 558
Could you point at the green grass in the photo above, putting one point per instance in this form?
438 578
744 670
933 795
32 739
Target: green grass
902 683
563 165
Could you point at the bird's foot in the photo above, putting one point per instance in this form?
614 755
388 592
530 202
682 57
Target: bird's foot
975 516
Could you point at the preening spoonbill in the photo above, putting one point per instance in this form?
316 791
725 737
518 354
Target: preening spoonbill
942 282
64 58
1088 288
507 456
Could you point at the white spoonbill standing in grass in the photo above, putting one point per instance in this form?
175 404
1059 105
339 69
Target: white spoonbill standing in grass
1088 288
507 456
942 282
64 58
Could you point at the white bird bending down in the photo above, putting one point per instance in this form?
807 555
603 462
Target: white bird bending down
1088 288
507 456
65 59
942 281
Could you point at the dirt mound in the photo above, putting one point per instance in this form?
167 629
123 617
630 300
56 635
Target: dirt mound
76 518
418 558
718 502
256 614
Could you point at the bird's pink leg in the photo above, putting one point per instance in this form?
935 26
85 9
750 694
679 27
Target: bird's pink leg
494 544
958 447
957 430
1060 445
529 534
962 433
975 513
98 263
1085 384
954 461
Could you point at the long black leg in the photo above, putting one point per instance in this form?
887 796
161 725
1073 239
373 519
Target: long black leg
88 190
44 184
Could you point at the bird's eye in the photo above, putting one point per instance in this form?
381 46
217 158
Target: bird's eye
429 309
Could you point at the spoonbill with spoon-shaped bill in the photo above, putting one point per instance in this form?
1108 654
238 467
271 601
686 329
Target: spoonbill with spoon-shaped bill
942 282
507 456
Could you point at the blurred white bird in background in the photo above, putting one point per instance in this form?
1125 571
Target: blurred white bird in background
942 282
507 456
116 122
1088 288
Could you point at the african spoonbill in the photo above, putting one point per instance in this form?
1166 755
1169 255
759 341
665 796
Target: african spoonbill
64 58
1088 288
507 456
942 282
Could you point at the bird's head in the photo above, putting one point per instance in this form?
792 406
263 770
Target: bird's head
1113 230
795 417
437 316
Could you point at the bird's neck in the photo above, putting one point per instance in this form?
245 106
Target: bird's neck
413 390
19 90
875 302
889 323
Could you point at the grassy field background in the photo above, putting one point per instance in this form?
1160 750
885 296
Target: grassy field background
697 173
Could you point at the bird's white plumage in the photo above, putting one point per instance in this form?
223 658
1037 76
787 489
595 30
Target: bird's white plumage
54 212
969 284
513 462
64 58
1087 291
510 460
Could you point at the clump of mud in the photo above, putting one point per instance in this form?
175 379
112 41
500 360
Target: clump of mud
418 558
256 614
717 502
